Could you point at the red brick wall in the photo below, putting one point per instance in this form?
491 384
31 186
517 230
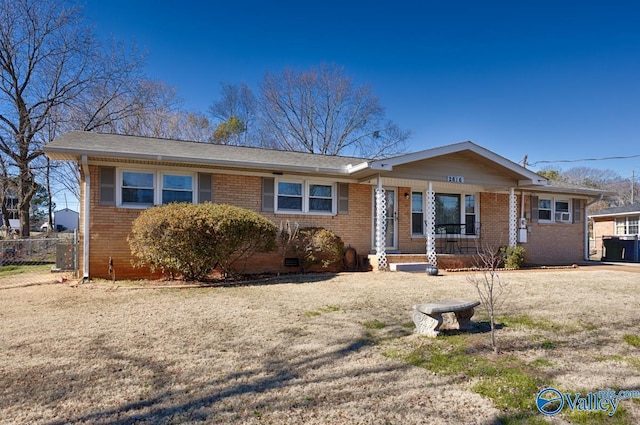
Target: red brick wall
547 243
494 219
110 226
555 243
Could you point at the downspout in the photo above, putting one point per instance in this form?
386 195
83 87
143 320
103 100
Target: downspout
586 226
87 204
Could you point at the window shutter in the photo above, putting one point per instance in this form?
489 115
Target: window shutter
267 193
343 198
205 194
107 194
577 216
534 208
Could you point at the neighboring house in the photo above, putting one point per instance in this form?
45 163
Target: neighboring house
11 205
66 219
438 205
615 233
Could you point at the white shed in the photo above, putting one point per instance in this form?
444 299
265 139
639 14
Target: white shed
66 218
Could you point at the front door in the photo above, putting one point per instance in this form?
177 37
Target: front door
391 218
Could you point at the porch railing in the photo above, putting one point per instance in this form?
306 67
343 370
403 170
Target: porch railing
457 238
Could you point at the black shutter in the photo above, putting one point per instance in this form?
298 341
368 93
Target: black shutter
343 198
107 183
534 208
205 193
268 193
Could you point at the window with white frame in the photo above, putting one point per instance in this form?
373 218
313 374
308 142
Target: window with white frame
141 188
562 211
289 196
305 197
627 225
621 226
417 213
137 188
320 198
554 210
470 227
632 225
455 213
177 188
544 209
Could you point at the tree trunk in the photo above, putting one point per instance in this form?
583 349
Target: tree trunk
5 212
27 188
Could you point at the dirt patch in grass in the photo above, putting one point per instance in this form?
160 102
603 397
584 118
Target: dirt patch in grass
323 349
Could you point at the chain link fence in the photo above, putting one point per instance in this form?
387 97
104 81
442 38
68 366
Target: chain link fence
39 259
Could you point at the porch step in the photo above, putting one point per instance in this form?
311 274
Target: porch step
408 267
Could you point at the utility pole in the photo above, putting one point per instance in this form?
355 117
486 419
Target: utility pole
633 183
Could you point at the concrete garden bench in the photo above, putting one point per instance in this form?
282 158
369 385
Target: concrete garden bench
428 317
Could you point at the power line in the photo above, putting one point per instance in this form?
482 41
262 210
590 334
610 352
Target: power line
582 160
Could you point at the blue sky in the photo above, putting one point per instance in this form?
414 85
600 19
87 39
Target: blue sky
554 80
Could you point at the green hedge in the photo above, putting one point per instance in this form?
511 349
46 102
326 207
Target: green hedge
191 240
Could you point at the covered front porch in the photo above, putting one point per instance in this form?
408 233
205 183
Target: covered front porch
427 207
439 226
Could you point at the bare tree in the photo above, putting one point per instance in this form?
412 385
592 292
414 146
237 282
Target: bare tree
490 288
45 61
321 111
53 76
235 112
595 178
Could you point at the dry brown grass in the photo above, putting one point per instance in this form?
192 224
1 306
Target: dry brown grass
294 351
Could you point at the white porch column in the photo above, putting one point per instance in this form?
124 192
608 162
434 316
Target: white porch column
513 218
430 222
381 226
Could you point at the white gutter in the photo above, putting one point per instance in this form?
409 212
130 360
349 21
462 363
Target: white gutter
87 203
68 153
586 226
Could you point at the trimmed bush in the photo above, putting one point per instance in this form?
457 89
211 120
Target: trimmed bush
513 257
316 246
191 240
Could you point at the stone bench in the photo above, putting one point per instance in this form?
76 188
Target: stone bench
428 317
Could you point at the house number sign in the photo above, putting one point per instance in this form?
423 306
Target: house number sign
455 179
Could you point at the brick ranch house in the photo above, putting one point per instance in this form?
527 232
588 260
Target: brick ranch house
618 229
436 205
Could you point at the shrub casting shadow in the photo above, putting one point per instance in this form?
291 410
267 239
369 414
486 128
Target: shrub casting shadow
262 280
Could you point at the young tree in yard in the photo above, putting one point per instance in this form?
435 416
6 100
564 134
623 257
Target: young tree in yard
490 288
321 111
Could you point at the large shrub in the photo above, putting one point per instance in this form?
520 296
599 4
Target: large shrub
316 246
191 240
